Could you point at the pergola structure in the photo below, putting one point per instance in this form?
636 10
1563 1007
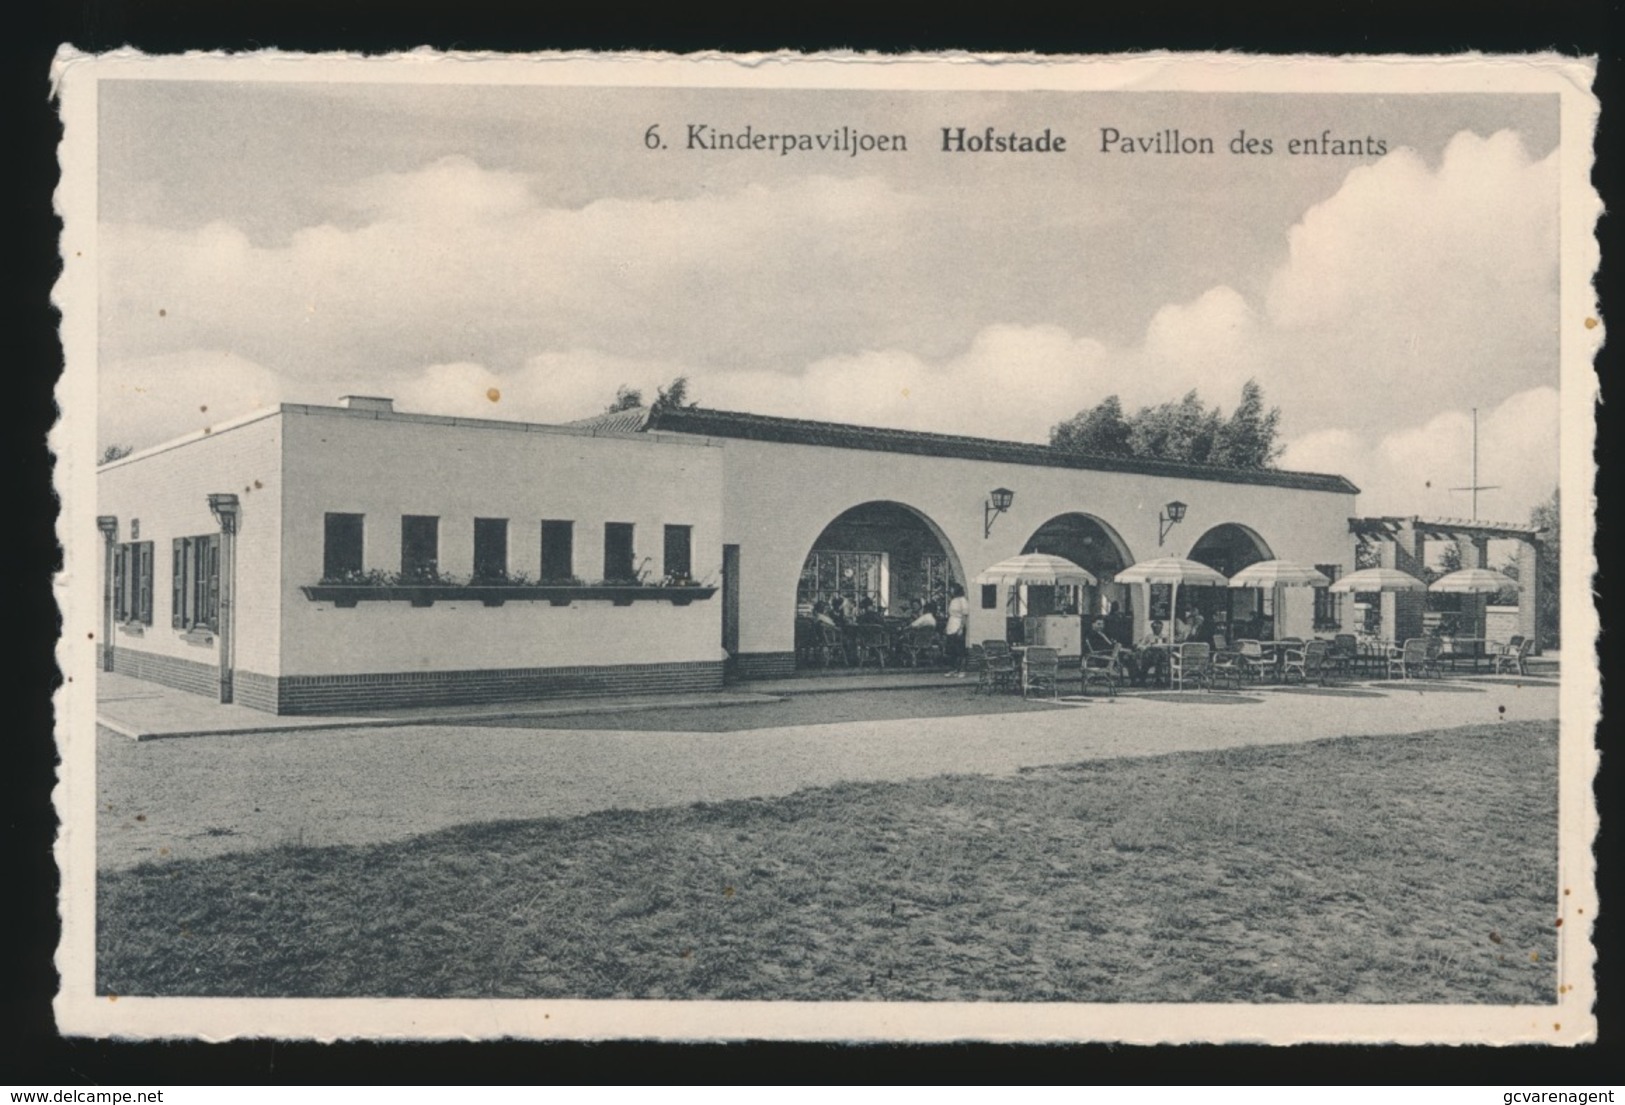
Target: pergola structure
1400 544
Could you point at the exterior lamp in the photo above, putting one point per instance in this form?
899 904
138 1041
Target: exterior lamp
999 500
223 505
1165 522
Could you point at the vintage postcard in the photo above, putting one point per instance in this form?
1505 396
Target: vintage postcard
827 547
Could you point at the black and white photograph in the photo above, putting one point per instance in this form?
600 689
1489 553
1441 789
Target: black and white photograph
815 548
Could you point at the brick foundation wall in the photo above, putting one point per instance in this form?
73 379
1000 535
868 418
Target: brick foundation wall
339 694
183 675
256 691
765 665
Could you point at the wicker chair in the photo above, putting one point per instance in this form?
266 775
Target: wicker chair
1515 656
871 641
1104 669
1190 661
998 667
1227 666
1041 667
831 643
920 641
1411 659
1306 661
1253 661
809 641
1344 654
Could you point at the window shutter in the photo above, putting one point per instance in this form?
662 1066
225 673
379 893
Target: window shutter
145 550
177 586
211 614
120 555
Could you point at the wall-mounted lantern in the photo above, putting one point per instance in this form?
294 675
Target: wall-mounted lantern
1175 514
999 500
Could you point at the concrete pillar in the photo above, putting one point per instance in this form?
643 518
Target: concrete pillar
1402 611
108 524
1529 592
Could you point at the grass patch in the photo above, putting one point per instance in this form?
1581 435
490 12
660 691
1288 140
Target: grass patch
1372 869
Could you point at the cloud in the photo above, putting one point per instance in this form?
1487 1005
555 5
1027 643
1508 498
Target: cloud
152 399
1415 468
1421 287
1409 295
457 263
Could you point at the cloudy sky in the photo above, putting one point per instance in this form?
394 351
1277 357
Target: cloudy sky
295 242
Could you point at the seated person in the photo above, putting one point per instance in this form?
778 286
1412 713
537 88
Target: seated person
1097 639
821 613
868 615
1188 628
1149 660
927 618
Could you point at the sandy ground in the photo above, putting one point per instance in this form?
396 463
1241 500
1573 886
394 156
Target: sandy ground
162 801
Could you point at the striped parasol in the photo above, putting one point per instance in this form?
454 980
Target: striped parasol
1472 581
1172 570
1038 570
1368 580
1279 573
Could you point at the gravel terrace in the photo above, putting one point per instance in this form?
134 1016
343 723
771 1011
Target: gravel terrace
205 796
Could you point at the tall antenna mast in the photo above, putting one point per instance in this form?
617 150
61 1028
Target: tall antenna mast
1476 487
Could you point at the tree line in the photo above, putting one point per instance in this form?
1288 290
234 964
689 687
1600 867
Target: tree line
1187 430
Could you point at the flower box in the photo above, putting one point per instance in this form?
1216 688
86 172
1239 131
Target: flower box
348 595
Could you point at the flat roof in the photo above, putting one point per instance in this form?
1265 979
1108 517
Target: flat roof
682 425
567 429
838 435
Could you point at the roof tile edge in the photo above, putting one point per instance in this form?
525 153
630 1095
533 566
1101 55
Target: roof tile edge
772 428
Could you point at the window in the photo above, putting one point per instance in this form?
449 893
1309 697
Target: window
490 548
341 547
194 600
679 562
938 577
990 596
420 547
852 575
618 553
1328 603
558 551
132 583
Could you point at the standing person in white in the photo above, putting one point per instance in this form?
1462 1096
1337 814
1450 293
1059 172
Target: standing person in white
958 611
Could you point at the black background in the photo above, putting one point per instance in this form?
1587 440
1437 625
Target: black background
31 1051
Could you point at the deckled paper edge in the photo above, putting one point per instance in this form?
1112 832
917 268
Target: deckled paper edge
1571 1020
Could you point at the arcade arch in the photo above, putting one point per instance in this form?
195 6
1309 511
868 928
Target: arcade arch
1091 543
888 552
1235 612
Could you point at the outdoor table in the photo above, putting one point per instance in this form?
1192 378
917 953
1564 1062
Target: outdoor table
1471 649
1374 655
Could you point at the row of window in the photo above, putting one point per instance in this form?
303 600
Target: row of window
195 582
344 540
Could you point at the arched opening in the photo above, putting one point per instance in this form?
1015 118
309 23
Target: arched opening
885 553
1090 543
1237 613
